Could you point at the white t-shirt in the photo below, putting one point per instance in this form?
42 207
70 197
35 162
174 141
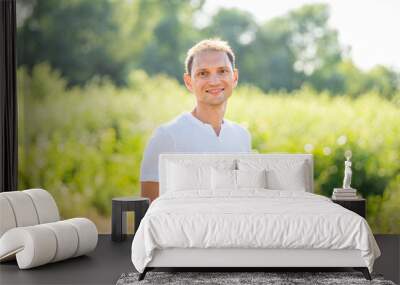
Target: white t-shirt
188 134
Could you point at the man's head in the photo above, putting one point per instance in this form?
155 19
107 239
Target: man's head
210 71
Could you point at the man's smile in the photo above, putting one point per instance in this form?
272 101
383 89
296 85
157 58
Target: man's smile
215 91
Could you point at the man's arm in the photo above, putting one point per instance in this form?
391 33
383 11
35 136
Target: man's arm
160 142
149 190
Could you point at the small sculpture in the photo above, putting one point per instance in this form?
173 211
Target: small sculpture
347 171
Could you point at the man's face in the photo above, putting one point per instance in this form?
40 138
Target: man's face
212 78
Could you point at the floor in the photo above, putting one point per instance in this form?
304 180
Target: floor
103 266
111 259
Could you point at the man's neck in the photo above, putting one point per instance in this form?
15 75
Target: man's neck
210 115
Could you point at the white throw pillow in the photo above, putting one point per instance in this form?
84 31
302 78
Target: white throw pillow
183 177
223 179
282 174
292 179
188 174
251 178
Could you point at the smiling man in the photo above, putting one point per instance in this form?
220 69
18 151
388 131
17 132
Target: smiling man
211 76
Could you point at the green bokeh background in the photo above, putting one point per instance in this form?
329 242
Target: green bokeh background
85 144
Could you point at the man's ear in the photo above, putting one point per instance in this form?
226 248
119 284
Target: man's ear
188 81
235 77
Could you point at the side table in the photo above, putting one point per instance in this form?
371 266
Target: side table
357 205
120 206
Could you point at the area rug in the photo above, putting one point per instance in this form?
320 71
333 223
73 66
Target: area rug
269 278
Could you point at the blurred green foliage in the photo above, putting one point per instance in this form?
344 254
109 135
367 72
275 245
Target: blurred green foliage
113 74
85 144
86 38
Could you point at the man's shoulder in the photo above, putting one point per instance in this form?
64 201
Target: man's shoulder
238 127
174 125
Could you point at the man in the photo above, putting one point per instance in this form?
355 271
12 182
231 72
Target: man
211 76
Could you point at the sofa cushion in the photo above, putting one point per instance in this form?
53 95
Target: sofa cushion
7 215
46 207
23 208
40 244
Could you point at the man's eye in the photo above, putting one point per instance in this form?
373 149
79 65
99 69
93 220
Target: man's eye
202 73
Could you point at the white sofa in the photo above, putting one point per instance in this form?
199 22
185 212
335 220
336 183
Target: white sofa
31 231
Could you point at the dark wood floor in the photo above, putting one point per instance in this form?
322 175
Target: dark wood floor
102 266
110 260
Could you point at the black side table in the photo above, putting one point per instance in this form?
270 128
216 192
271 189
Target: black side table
120 206
356 205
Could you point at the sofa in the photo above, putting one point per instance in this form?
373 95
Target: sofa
32 233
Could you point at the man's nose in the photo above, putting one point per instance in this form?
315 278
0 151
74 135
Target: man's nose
214 79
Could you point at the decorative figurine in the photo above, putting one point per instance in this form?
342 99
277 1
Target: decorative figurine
347 171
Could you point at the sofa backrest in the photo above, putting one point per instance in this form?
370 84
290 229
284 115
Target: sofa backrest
285 170
26 208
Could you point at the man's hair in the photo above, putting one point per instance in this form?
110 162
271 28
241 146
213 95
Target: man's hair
208 45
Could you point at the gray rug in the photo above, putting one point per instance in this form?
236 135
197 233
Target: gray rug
230 278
